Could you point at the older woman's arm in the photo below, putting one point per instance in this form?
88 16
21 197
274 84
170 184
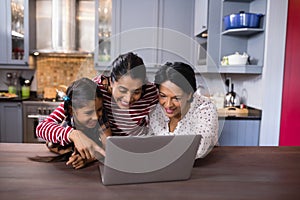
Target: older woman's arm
205 123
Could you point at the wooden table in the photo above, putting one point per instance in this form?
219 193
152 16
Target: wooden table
226 173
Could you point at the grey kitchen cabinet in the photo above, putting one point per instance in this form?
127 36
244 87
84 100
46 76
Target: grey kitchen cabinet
157 30
11 122
16 37
240 132
137 28
248 40
201 16
176 34
223 42
104 30
209 52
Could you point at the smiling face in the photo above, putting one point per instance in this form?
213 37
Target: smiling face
88 115
174 100
126 91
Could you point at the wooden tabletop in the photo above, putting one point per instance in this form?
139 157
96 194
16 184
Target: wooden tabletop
226 173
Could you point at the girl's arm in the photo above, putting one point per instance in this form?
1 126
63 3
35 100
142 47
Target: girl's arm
51 130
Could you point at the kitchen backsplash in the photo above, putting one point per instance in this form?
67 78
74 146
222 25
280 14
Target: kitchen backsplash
51 71
59 70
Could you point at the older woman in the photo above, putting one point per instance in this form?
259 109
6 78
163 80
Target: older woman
182 109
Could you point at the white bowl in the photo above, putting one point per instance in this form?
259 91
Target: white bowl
237 59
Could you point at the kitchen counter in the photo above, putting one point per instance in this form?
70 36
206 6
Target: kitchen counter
226 173
252 114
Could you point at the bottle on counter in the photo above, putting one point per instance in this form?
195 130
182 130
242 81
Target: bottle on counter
12 89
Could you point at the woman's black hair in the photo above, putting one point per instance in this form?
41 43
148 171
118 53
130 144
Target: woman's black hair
181 74
78 93
129 64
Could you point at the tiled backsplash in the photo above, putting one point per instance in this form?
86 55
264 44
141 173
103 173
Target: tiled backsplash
52 71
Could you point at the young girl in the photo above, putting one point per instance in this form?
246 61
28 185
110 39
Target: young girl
82 113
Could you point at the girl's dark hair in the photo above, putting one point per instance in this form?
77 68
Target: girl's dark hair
179 73
78 94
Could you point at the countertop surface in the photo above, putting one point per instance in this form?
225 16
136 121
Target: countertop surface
226 173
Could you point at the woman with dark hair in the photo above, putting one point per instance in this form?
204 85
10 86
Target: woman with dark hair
182 109
128 96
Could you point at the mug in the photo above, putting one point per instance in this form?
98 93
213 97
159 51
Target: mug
25 91
12 89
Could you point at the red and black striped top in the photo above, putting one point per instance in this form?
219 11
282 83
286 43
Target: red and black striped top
134 120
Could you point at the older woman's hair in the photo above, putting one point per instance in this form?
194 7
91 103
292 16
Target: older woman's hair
181 74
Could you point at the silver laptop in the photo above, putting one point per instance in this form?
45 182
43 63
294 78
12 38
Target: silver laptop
141 159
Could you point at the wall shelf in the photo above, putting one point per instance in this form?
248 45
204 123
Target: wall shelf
230 69
243 31
241 69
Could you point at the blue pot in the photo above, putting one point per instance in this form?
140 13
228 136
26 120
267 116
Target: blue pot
242 20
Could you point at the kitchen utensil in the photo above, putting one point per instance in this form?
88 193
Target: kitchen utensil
242 20
237 59
231 98
24 81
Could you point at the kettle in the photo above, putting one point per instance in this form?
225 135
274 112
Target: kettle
231 98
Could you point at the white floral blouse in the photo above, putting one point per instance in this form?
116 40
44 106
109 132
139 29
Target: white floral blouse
202 118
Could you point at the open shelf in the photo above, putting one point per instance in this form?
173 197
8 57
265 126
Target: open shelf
247 69
242 31
239 0
229 69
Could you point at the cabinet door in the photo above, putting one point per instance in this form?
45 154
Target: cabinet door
176 36
136 24
3 37
15 31
104 39
240 133
11 122
201 12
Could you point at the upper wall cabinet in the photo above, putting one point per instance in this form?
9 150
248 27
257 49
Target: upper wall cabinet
14 38
103 20
157 30
176 32
223 41
244 40
201 18
137 28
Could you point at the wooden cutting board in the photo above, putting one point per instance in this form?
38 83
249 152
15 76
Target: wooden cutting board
233 111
